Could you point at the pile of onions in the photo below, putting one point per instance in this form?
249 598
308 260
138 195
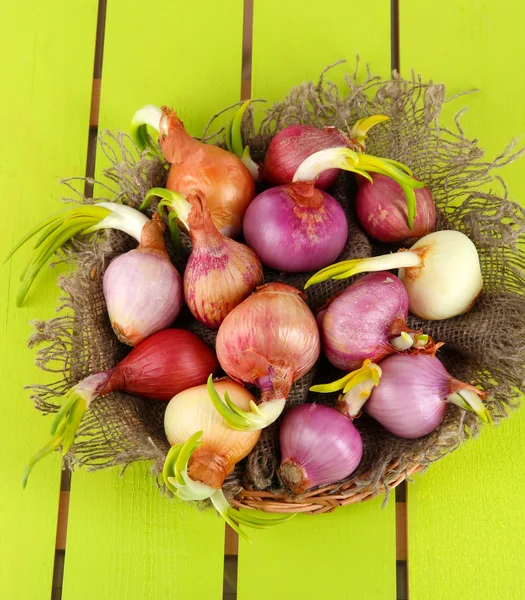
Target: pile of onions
270 340
382 210
205 450
222 178
319 446
142 289
412 398
441 272
161 366
368 321
296 228
294 144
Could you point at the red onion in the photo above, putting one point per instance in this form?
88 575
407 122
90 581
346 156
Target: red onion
368 321
223 179
160 367
295 228
271 340
319 446
292 145
411 399
142 289
220 272
382 210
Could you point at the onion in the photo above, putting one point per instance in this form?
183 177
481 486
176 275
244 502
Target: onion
271 340
220 272
441 273
411 399
293 144
368 321
295 228
161 366
222 178
318 446
142 289
382 210
205 450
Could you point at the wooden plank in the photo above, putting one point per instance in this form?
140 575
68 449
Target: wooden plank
306 557
349 553
46 69
231 545
466 521
139 544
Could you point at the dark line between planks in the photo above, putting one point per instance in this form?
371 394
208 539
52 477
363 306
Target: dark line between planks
65 482
394 35
401 542
247 42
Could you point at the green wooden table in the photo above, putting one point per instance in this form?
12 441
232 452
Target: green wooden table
461 525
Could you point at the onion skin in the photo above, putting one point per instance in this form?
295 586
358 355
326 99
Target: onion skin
359 322
382 210
163 365
142 289
296 228
292 145
220 272
410 400
222 448
319 446
271 340
222 178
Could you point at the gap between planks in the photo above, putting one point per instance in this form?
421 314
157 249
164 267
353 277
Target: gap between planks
231 545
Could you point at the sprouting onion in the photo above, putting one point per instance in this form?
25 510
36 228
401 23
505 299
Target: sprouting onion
441 272
205 450
60 227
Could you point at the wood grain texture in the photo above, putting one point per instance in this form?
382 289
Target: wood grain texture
347 554
139 544
466 523
306 557
46 71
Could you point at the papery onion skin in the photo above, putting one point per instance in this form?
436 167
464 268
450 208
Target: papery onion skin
142 289
296 228
410 400
319 446
222 178
222 448
359 322
271 340
292 145
450 280
220 272
382 210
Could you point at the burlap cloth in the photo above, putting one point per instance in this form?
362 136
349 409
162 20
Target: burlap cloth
485 347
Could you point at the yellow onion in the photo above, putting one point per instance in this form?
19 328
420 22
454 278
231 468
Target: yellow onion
225 182
205 450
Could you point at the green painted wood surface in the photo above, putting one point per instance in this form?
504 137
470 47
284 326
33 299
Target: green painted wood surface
465 516
46 69
350 553
139 544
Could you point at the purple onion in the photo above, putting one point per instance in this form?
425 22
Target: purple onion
142 289
295 228
362 321
412 397
319 446
382 210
